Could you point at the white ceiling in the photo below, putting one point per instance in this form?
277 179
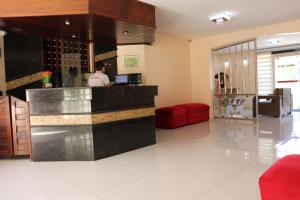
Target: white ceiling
189 18
288 39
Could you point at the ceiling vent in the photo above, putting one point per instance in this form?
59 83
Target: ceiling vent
221 18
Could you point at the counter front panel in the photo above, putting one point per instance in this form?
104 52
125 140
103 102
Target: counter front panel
121 136
62 143
90 123
122 98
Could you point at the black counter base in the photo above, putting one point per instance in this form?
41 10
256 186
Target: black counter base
87 124
91 142
119 137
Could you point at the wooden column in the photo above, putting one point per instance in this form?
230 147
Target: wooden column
14 127
6 148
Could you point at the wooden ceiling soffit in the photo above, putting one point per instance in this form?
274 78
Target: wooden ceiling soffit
31 8
112 21
131 11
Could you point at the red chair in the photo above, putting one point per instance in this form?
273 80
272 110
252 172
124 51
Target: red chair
282 180
195 112
170 117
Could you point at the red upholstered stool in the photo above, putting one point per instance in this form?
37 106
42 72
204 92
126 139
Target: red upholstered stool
282 180
195 112
170 117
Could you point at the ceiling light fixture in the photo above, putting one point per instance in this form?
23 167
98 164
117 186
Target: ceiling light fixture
275 40
125 32
226 63
67 22
245 62
221 18
284 34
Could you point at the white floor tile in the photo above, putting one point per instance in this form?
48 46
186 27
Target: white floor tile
163 188
63 192
152 168
108 181
218 160
205 197
236 188
41 185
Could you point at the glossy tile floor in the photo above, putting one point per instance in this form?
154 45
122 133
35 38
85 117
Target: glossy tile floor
220 160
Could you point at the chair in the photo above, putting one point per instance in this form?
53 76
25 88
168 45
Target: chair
181 115
282 180
195 112
276 105
170 117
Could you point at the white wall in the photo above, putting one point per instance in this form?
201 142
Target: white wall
182 70
138 50
201 54
167 64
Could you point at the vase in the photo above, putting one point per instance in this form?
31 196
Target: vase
47 85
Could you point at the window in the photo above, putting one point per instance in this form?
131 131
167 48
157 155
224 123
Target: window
265 74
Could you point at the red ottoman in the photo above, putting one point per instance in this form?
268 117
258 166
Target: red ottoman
170 117
195 112
282 180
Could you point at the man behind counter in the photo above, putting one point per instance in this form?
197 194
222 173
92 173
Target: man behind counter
99 78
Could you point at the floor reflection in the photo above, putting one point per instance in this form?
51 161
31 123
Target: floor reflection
220 160
271 138
292 146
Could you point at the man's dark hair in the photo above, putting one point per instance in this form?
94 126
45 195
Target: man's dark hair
99 66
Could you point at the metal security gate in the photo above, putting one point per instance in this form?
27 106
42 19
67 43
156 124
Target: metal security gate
235 83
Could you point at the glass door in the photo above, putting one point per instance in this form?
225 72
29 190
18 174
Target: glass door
287 75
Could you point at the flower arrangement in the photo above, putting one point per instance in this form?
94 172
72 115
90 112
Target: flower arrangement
46 77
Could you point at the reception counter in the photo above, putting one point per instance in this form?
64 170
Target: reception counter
78 124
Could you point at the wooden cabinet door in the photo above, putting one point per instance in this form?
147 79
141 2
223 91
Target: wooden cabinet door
6 148
20 127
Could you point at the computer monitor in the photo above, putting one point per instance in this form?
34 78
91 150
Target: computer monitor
121 79
135 78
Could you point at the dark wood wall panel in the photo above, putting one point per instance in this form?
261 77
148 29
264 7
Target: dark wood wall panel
23 57
111 63
20 91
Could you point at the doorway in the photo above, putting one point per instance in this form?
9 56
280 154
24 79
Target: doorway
287 75
278 65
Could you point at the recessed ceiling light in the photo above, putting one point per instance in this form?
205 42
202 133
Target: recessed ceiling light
221 18
125 32
67 22
275 40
